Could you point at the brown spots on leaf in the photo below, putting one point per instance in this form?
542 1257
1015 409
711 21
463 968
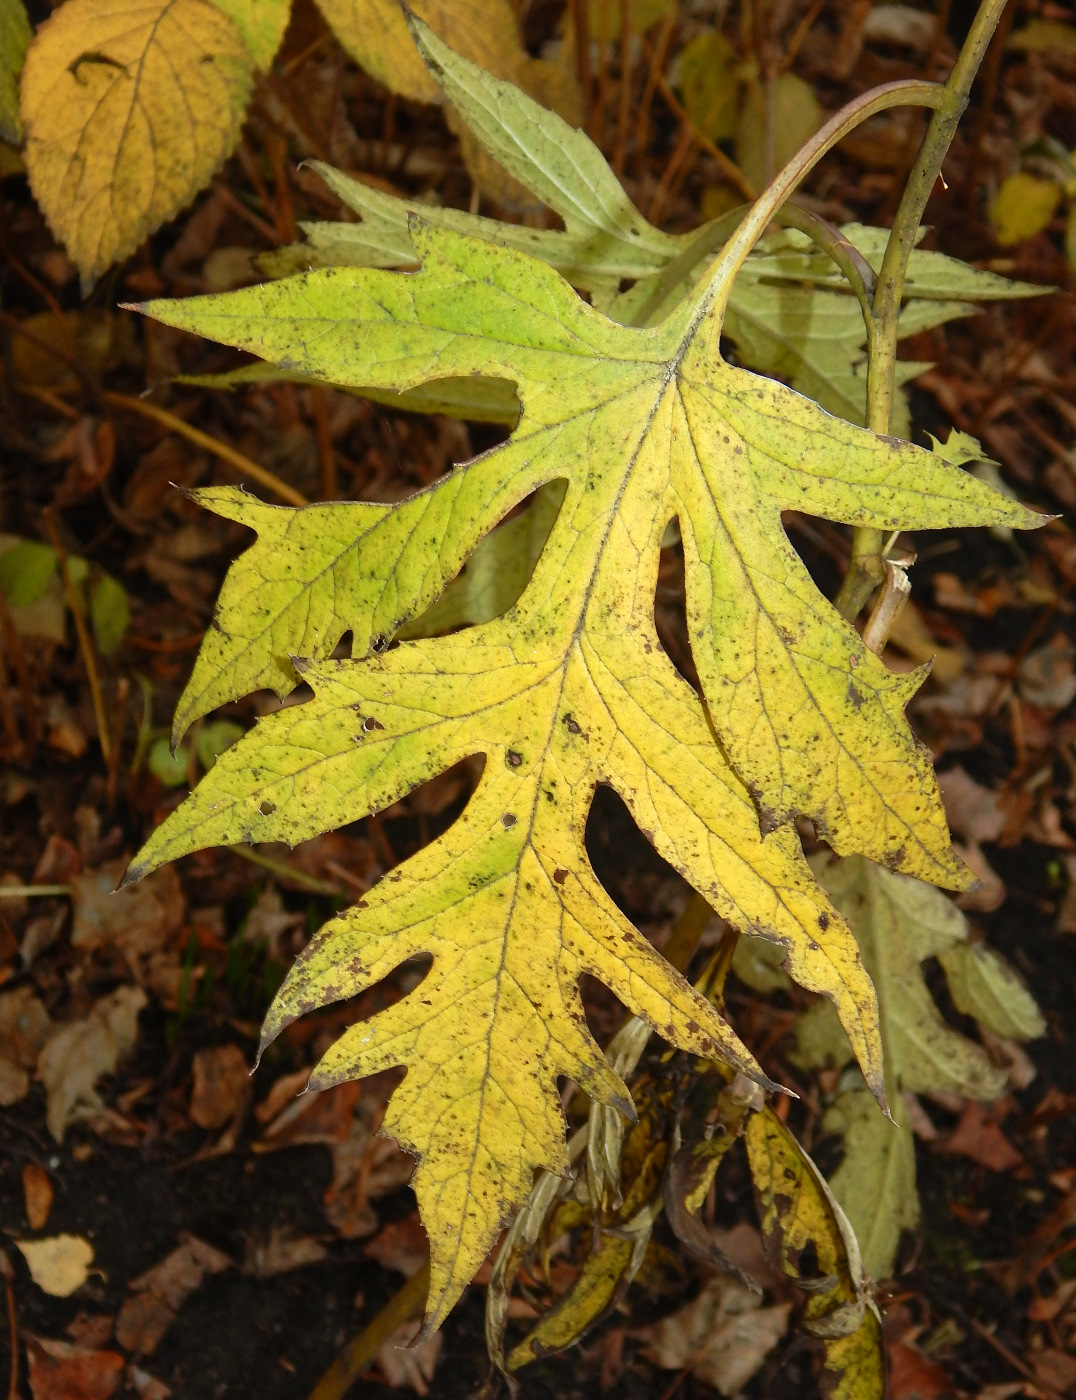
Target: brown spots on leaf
560 876
856 697
370 723
823 921
572 725
513 759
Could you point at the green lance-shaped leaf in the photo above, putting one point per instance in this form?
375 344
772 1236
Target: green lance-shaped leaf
567 689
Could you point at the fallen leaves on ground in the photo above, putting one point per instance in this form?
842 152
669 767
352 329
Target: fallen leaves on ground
723 1337
158 1294
66 1371
37 1193
403 1364
79 1053
24 1029
59 1265
221 1081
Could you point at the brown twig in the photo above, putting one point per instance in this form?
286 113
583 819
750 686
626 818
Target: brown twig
64 356
85 644
13 1329
123 689
220 449
800 33
624 106
581 34
657 62
732 172
326 454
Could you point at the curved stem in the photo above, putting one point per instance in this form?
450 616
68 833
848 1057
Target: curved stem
910 92
849 260
865 570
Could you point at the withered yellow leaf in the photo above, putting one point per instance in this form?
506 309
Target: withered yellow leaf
130 106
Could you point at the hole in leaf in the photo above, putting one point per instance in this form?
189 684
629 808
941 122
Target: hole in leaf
342 650
497 570
823 547
428 810
644 886
670 611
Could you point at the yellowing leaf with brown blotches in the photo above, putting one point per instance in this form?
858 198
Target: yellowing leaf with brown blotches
568 688
130 106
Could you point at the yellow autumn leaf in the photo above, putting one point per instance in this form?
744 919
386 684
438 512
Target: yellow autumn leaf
375 34
1024 206
15 35
567 689
130 106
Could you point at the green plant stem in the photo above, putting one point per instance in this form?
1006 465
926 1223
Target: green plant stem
865 569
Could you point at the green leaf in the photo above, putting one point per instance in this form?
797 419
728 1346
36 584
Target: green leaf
262 24
170 768
15 36
476 400
26 570
876 1181
791 312
795 118
898 923
706 67
213 739
1024 206
110 613
983 985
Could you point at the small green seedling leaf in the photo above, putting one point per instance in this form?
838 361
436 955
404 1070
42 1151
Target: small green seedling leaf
110 613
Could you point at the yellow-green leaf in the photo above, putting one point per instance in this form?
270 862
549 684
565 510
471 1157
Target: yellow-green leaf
262 24
795 118
899 923
801 1219
876 1181
853 1367
15 36
130 106
708 83
983 985
1024 206
567 689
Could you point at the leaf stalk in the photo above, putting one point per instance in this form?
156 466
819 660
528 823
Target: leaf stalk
866 569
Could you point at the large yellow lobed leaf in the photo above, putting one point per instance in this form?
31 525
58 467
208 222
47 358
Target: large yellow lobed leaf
130 106
567 689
